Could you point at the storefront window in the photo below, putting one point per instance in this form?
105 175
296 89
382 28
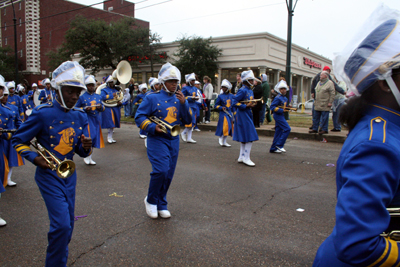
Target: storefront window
137 77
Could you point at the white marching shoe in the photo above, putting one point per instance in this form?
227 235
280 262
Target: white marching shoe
109 140
226 145
220 141
2 222
145 142
11 183
151 210
183 136
142 136
113 140
87 160
92 162
191 141
164 214
248 162
240 159
281 149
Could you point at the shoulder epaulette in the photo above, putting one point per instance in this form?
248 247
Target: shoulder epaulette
377 129
49 104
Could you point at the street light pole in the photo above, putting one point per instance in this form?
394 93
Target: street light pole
15 45
290 9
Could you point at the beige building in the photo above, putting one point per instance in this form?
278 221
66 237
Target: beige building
260 52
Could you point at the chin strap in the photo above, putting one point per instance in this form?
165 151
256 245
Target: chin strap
394 89
62 101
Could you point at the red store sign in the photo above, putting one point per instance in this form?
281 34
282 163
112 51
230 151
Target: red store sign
311 63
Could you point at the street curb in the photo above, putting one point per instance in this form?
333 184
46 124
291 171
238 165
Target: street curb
267 132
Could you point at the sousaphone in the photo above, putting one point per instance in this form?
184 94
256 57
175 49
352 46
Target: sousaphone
123 74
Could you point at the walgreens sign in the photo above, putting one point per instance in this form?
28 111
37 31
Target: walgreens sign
311 63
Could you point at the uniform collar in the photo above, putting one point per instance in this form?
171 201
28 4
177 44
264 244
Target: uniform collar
385 112
58 105
166 93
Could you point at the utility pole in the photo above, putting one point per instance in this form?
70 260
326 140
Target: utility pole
290 8
15 45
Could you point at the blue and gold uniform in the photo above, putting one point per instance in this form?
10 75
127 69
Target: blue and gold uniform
190 92
47 95
14 159
244 127
112 115
94 117
282 128
25 102
225 122
367 179
5 123
16 101
58 129
162 149
59 132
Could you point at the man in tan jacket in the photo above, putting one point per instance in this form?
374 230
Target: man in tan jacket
324 96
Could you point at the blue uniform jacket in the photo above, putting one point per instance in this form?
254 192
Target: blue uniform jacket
164 106
279 101
47 96
5 123
56 130
224 127
16 101
138 99
244 128
368 181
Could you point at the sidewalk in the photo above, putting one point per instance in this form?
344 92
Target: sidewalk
298 132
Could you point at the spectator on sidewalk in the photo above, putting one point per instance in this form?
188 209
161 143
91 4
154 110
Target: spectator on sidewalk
266 92
208 91
337 104
324 95
238 84
258 93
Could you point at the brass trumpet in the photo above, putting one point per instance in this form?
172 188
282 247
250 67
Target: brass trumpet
288 108
175 130
254 100
395 234
63 168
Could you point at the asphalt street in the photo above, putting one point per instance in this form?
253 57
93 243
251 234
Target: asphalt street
223 212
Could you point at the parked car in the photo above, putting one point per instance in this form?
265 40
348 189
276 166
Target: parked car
307 105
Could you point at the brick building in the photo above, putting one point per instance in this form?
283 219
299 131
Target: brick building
41 26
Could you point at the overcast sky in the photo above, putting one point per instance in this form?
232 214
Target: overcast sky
323 26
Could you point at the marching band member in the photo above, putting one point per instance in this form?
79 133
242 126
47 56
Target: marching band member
368 167
31 95
24 99
282 128
245 132
225 121
91 103
14 98
112 115
137 101
14 160
190 92
154 84
200 103
126 102
5 123
47 94
163 149
61 129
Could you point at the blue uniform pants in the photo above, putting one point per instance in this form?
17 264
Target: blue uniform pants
163 155
321 120
282 131
59 197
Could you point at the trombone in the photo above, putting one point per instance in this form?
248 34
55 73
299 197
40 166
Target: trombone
63 168
175 130
395 234
253 100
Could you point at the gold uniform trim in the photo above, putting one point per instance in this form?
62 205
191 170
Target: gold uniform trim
22 148
144 124
377 120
